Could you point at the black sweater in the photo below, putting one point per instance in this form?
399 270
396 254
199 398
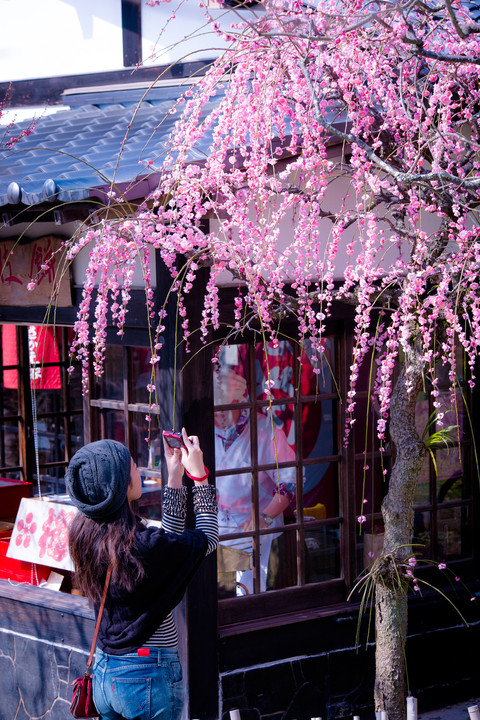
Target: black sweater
130 618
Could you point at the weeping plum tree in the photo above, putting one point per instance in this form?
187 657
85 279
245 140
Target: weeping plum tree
354 123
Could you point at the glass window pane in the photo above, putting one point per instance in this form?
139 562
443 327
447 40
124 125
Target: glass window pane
110 385
277 360
453 533
51 440
141 373
274 445
138 444
13 475
9 400
231 375
49 401
282 564
449 477
112 425
319 429
74 390
234 564
232 439
318 369
150 504
9 445
234 495
320 491
76 433
52 482
365 427
322 553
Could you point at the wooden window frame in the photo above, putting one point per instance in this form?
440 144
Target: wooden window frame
235 611
27 467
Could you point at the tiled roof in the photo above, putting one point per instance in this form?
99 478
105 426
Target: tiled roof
75 150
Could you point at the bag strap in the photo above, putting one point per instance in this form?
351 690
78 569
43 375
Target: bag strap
97 626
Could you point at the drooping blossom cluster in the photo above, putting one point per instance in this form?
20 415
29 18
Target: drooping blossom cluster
343 164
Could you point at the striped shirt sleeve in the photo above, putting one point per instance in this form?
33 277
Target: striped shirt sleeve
173 520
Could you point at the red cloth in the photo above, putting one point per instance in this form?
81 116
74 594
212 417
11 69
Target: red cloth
42 349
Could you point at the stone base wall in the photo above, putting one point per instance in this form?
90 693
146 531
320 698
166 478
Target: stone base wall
36 677
314 669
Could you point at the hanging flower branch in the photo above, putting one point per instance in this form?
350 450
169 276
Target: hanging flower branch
356 126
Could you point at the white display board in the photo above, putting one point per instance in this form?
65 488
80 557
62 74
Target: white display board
40 534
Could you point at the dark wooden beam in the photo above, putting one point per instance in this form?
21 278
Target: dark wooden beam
48 91
197 417
59 214
132 32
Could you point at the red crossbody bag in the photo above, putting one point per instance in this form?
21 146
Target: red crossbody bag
82 705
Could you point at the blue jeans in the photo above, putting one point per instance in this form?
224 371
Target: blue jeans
132 687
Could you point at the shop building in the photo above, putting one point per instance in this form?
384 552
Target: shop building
271 632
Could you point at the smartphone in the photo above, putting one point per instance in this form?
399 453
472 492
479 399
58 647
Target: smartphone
173 439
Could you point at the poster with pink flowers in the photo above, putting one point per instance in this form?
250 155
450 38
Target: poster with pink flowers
40 534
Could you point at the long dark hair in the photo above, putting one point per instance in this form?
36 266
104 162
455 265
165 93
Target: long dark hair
94 546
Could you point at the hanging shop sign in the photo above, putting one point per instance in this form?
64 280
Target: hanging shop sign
40 260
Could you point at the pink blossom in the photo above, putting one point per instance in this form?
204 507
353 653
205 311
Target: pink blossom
267 182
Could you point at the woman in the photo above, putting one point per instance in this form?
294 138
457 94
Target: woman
137 673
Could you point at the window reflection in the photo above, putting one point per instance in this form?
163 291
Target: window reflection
322 553
453 533
320 491
256 421
449 479
10 451
110 384
112 425
273 488
144 455
141 376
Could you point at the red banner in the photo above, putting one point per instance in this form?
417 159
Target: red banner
42 349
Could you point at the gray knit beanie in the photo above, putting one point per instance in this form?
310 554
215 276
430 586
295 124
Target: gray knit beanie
97 478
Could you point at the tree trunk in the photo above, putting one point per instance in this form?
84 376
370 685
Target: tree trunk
397 508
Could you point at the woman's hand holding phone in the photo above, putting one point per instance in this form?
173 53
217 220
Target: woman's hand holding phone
192 457
183 452
173 439
175 468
